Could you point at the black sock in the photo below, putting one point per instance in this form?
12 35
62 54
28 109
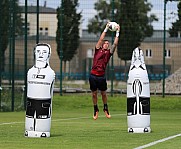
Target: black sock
96 108
106 106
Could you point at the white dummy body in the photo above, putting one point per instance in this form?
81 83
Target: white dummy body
40 84
138 95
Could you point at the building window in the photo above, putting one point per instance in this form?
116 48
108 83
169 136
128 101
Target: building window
148 53
168 53
46 31
43 31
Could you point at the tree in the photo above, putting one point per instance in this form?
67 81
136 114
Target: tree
104 14
71 22
5 18
176 26
135 24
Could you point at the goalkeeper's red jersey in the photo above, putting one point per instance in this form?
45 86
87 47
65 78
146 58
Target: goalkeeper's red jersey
100 60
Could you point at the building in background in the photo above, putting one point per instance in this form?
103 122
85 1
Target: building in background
47 20
81 63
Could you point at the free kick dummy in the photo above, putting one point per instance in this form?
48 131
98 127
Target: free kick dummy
138 95
40 84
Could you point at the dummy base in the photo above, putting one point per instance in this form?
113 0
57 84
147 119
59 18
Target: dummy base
37 134
139 130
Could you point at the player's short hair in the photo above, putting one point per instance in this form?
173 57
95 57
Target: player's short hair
104 41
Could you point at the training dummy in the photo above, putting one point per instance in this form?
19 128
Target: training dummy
138 95
40 84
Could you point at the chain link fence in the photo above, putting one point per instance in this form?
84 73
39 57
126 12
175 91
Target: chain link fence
39 23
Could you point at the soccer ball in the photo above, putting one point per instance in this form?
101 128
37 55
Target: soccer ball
113 26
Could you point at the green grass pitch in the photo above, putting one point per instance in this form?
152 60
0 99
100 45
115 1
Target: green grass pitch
74 128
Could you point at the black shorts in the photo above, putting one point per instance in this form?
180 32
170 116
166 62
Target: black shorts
97 82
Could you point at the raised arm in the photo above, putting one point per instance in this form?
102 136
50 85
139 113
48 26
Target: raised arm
115 40
101 39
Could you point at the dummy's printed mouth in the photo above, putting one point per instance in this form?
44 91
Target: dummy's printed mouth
41 60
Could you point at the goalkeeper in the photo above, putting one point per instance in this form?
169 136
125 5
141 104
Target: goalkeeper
97 79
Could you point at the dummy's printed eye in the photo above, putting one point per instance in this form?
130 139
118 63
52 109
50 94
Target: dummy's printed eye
44 51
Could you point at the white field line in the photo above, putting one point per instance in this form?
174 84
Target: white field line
64 119
76 118
10 123
158 141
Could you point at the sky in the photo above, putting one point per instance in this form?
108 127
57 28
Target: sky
88 12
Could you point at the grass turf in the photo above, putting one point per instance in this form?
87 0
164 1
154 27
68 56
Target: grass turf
73 126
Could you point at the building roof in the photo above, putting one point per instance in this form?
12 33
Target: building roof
33 9
159 40
156 38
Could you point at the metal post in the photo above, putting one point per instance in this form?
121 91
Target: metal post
84 64
10 41
61 44
25 55
90 64
11 49
164 45
13 53
0 51
37 20
112 59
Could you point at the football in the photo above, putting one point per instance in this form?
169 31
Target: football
113 26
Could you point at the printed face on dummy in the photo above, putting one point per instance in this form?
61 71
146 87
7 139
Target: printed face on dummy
105 45
138 55
42 53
